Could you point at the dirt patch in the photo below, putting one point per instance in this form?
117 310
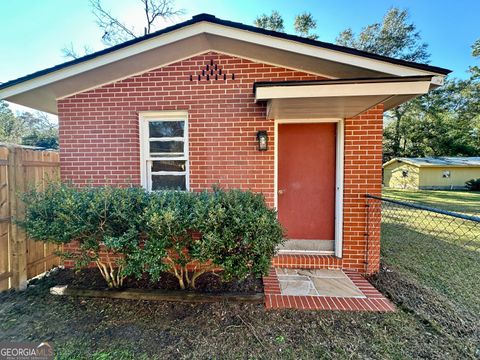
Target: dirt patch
436 310
88 328
206 283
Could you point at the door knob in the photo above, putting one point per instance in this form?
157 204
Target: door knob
281 191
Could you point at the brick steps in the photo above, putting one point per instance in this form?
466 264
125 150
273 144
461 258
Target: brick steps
307 261
373 300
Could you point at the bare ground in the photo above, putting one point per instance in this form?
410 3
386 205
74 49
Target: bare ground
426 325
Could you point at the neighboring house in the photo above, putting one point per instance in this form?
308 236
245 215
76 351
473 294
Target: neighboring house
210 101
430 172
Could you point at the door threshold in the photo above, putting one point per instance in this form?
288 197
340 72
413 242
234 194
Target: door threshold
307 247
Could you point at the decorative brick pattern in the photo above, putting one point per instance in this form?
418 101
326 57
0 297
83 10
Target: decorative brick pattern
99 138
373 301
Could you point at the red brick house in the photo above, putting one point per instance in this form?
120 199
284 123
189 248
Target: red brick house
209 101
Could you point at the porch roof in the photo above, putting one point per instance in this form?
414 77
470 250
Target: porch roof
339 98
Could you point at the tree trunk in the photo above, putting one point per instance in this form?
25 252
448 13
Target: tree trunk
112 275
397 137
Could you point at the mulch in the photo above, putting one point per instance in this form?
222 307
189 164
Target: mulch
206 283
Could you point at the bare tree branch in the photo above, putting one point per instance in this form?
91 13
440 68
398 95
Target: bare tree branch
114 30
154 9
69 51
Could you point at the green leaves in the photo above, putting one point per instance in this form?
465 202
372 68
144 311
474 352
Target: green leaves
34 129
239 232
92 216
304 24
473 184
159 231
394 37
274 21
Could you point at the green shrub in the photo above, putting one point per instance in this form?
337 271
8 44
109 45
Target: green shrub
189 234
186 234
473 184
93 216
169 243
240 233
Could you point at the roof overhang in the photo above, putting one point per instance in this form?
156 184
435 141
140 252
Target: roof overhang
203 33
438 162
344 98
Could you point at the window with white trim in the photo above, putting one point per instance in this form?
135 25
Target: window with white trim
164 142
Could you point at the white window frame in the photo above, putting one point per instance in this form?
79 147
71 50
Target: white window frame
146 159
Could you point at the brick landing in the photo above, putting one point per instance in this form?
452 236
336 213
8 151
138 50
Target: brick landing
373 300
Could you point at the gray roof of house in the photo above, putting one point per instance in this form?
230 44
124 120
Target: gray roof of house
444 161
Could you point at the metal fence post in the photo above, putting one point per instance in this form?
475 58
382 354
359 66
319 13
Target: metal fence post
367 232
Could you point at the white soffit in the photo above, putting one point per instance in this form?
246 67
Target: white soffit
323 108
336 90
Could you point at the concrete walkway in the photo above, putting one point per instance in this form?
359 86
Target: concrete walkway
322 289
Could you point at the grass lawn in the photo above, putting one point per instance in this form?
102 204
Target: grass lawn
435 284
438 251
459 201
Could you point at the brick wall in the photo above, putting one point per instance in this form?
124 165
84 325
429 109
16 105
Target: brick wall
99 135
362 175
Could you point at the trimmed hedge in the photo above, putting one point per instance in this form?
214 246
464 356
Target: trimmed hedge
184 233
473 184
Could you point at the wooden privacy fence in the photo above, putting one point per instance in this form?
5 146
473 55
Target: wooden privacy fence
22 168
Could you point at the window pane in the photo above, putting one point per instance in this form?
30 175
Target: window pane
168 165
166 128
168 182
166 147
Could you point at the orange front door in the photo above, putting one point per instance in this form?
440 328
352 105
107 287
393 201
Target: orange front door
306 180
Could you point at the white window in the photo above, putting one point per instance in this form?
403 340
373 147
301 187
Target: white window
164 150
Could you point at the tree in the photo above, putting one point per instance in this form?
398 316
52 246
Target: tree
395 37
475 70
304 23
34 129
274 21
444 122
116 31
11 129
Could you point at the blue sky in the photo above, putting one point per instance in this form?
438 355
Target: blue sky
33 32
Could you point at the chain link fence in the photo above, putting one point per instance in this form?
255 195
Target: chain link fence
439 248
461 229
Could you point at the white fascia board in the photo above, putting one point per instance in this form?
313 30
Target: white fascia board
112 57
315 51
339 90
400 160
219 30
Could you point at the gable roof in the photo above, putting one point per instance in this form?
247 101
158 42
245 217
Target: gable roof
207 33
444 161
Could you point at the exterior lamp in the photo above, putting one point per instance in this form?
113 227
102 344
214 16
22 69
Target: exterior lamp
262 139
